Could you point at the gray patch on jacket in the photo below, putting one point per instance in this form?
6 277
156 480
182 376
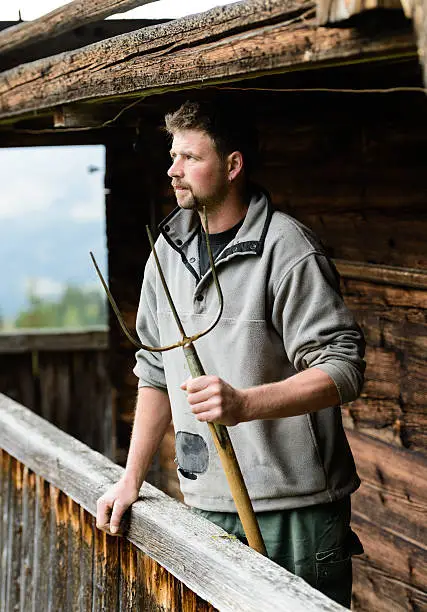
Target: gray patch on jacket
192 454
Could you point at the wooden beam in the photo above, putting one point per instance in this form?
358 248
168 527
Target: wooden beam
221 570
26 340
79 37
245 40
63 19
90 116
387 275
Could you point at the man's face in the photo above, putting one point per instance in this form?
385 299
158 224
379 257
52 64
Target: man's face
199 175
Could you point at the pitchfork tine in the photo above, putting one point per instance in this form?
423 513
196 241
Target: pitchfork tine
185 339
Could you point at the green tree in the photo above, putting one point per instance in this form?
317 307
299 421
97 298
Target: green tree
76 307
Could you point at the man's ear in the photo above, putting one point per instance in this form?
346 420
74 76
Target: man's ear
235 165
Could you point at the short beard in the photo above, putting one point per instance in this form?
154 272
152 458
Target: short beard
211 202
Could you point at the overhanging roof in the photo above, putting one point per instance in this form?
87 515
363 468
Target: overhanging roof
242 40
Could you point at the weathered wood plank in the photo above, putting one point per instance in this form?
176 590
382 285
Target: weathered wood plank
87 530
24 341
28 528
41 546
5 501
127 590
72 591
374 589
17 380
390 516
161 527
3 493
106 572
59 383
394 479
388 275
63 19
58 574
89 385
392 403
146 61
14 543
75 38
54 375
395 556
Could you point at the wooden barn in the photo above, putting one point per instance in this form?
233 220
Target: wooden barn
338 94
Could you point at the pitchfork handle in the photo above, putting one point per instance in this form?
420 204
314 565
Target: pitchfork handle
230 465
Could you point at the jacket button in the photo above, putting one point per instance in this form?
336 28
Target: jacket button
167 228
199 298
179 242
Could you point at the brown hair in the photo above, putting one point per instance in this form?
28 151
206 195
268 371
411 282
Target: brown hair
223 122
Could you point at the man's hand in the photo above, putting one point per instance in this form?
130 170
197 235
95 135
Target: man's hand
111 506
215 401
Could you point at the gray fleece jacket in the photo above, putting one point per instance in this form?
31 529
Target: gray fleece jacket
283 312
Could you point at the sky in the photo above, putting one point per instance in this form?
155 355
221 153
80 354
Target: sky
41 186
31 9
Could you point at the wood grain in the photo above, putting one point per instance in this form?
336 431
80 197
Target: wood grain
244 40
389 514
221 571
63 19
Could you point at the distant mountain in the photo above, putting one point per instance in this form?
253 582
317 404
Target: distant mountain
51 246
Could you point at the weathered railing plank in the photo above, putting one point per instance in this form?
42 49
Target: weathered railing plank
218 569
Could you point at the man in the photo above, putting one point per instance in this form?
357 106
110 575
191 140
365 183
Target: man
283 358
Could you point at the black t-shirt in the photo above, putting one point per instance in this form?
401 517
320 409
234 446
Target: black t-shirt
217 241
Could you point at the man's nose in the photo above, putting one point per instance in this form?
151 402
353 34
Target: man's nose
175 169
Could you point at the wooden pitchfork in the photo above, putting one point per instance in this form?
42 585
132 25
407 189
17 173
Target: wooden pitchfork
219 432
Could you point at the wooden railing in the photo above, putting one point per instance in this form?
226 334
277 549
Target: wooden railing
62 376
54 558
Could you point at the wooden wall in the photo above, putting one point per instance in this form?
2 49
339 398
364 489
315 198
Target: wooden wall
352 167
63 377
54 558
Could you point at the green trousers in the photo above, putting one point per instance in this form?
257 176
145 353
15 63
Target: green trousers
315 543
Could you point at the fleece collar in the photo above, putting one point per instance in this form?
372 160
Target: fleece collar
181 226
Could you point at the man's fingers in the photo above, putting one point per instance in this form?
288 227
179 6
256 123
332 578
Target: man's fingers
212 403
192 385
205 395
116 516
103 513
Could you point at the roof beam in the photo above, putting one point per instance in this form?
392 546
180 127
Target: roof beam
245 40
63 19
